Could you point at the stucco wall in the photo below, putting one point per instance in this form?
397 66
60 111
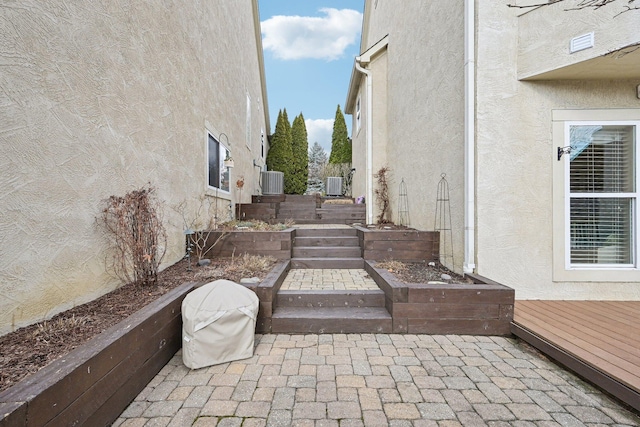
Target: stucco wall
98 99
423 125
515 160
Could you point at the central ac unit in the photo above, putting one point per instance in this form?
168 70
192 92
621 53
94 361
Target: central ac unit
272 182
334 186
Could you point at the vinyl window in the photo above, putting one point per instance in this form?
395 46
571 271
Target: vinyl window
218 176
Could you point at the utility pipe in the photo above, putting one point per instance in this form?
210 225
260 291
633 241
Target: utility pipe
369 174
469 136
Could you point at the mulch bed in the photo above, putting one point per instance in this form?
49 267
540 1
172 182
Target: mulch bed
422 272
29 349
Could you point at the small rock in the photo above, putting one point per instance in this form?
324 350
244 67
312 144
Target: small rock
387 228
435 282
204 262
445 277
249 280
432 264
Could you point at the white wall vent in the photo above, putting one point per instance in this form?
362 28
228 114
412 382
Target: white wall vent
582 42
334 186
272 182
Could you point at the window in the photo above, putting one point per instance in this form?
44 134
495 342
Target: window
596 222
602 188
248 123
218 175
358 122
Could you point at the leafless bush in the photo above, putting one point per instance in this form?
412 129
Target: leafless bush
382 194
133 224
200 223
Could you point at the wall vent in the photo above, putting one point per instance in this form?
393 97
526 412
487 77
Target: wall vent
334 186
272 182
582 42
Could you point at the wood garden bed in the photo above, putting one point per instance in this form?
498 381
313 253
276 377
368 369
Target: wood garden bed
483 307
266 243
94 383
400 245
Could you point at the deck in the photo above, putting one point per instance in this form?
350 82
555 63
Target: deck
599 340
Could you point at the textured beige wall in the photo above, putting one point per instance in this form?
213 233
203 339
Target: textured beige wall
545 33
515 161
98 99
422 127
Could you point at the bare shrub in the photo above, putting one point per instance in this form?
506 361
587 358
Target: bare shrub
199 223
382 194
58 330
138 239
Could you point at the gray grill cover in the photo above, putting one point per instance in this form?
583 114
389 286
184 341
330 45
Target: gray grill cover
218 324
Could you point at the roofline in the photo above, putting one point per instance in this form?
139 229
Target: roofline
364 58
263 78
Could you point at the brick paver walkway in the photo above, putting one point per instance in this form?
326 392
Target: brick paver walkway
328 279
375 380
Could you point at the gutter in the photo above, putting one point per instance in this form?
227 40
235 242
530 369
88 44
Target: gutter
369 175
469 265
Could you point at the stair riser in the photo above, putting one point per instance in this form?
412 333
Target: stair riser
336 263
326 232
327 252
333 326
326 241
342 299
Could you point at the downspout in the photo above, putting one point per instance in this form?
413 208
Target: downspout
369 176
469 137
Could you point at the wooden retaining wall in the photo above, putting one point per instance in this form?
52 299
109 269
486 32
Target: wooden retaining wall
400 245
482 308
94 383
267 243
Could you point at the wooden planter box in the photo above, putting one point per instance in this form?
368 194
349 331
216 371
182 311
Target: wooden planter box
400 245
482 308
94 383
267 243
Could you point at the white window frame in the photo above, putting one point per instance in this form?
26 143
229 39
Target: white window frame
563 269
218 190
358 113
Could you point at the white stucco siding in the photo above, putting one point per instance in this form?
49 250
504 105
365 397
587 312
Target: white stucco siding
515 160
97 100
425 107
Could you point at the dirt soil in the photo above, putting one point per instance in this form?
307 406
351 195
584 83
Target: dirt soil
29 349
422 272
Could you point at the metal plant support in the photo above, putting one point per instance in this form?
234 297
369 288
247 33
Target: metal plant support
403 205
443 223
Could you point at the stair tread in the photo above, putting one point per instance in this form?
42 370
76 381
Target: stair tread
353 313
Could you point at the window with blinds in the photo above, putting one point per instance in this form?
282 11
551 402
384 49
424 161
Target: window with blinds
602 194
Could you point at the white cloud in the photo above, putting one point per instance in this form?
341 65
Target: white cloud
298 37
320 131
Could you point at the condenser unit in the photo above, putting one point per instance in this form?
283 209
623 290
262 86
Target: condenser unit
272 182
334 186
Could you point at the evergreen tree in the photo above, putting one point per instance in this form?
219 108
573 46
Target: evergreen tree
340 147
317 162
280 155
300 147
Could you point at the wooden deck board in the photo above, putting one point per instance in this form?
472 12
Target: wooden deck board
600 340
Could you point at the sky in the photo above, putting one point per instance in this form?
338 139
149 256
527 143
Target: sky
309 49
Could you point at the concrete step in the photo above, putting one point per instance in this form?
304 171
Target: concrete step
326 232
326 252
337 263
331 320
326 241
331 298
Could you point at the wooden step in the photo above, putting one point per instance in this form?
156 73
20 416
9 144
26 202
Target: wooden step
327 252
337 263
326 241
331 298
326 232
331 320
